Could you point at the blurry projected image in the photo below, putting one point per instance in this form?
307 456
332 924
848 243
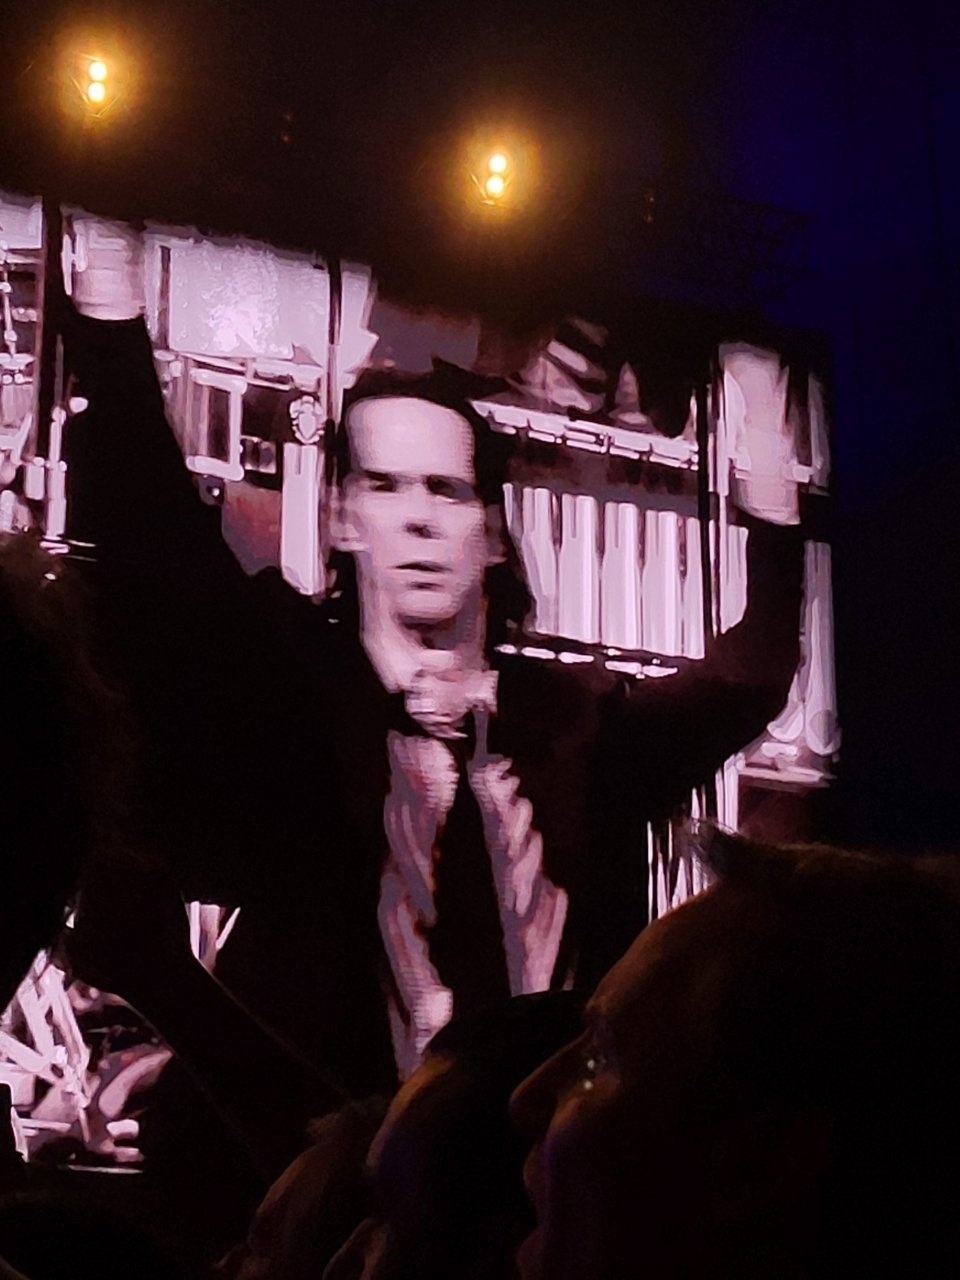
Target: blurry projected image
435 640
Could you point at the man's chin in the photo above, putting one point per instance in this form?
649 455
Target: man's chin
426 608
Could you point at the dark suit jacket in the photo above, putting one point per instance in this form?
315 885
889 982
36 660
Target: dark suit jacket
263 767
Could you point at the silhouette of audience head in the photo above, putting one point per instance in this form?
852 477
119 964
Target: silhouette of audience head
315 1204
442 1191
60 780
765 1083
58 752
444 1169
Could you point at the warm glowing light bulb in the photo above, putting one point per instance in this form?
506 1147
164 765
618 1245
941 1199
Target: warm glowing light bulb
96 91
494 185
497 163
98 70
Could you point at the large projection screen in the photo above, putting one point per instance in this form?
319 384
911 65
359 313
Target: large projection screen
408 586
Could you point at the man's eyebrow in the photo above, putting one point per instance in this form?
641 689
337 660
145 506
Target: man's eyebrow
434 478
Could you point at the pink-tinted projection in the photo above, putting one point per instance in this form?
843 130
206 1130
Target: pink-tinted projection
21 249
439 640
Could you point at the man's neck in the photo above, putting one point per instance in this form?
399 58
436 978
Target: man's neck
399 648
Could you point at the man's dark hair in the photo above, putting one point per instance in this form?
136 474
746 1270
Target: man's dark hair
849 1004
444 386
509 599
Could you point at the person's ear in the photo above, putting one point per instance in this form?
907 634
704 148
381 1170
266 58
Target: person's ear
344 531
496 535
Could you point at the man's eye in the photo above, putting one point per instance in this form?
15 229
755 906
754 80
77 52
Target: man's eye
384 485
454 490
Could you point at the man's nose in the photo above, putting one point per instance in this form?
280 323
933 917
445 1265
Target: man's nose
421 528
421 515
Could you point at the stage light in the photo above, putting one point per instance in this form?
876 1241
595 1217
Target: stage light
503 169
100 80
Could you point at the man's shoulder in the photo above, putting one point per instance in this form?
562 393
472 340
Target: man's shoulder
553 668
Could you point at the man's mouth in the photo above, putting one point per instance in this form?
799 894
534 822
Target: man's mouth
421 566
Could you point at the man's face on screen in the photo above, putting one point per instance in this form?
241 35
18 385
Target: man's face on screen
409 510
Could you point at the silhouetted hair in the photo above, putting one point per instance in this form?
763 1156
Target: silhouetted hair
476 1154
850 1003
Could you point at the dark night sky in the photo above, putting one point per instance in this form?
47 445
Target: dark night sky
380 96
842 111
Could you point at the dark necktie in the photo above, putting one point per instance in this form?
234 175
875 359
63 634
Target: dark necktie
466 942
